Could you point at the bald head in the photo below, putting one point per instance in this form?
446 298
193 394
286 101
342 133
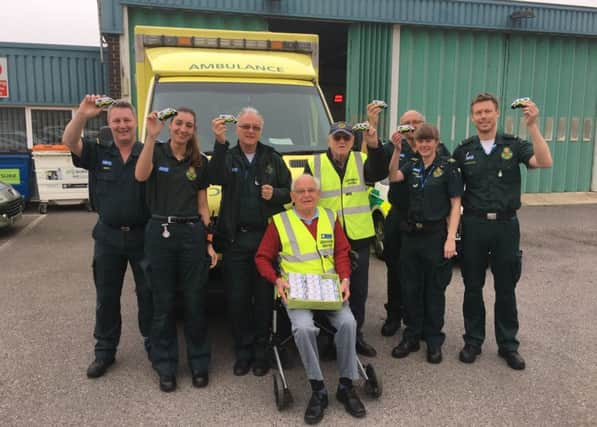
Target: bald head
413 118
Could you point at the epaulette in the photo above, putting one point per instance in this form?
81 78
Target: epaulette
508 136
468 140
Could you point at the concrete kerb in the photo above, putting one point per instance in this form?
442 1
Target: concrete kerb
552 199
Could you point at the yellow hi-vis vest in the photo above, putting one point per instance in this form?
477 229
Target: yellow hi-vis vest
349 198
301 253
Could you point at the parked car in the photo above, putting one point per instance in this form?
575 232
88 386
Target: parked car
12 205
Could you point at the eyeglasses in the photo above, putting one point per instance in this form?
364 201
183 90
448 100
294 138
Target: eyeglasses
302 191
341 135
256 128
412 122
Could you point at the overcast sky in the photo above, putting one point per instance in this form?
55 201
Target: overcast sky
76 21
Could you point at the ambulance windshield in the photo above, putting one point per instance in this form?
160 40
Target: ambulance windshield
295 118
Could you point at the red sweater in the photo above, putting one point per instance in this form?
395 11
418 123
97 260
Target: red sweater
270 247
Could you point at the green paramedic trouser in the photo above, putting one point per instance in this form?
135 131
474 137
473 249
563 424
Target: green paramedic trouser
498 241
113 250
250 297
425 276
179 261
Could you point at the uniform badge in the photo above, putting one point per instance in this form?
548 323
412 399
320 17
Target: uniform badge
506 153
438 172
269 169
191 173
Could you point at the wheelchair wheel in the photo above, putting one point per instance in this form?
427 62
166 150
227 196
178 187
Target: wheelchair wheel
281 393
373 385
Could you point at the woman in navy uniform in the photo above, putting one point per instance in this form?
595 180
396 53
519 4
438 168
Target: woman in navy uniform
435 188
177 243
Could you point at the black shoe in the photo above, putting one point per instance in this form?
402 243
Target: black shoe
260 367
469 353
390 326
363 348
98 368
167 383
405 347
514 360
352 403
200 379
315 407
434 355
241 367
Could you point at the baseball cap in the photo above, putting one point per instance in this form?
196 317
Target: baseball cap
340 127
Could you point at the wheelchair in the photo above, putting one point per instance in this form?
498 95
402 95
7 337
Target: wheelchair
372 384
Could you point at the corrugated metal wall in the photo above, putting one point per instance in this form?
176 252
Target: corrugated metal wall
480 14
368 70
186 20
441 70
560 73
52 75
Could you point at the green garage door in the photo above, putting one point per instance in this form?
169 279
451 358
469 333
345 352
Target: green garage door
441 70
560 74
368 70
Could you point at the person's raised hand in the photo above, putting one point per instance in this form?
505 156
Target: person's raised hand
153 125
218 127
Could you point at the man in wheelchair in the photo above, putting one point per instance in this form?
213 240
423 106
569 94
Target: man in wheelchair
308 239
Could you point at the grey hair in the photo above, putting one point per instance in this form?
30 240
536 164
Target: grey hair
315 180
247 110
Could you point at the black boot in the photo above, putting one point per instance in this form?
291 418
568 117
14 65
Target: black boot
364 348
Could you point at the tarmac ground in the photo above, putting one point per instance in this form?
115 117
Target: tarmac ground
47 304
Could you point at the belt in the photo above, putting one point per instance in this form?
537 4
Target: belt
123 227
491 216
176 219
426 227
249 228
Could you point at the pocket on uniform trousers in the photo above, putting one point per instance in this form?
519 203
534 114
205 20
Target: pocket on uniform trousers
443 273
517 267
146 268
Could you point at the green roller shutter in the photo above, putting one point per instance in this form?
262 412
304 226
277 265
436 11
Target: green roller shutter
186 19
560 74
368 70
441 70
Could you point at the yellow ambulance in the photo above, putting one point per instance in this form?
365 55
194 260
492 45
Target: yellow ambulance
220 71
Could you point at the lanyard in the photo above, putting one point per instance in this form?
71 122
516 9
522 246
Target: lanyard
424 176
